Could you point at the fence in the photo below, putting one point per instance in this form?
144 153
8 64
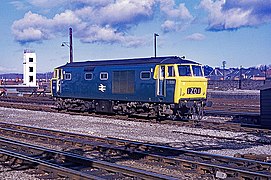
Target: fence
246 84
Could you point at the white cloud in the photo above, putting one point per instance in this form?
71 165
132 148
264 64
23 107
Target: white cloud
177 18
32 27
125 11
109 35
98 23
232 14
168 26
31 34
66 19
35 28
19 5
46 3
93 2
181 12
196 37
93 21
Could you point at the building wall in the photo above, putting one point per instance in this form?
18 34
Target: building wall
30 68
265 99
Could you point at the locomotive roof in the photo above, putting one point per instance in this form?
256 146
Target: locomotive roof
134 61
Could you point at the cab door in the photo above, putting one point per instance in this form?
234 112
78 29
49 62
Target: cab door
161 81
56 82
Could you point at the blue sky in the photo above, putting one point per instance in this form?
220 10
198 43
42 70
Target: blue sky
207 31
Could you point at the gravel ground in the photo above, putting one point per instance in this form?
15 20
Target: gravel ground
8 174
138 131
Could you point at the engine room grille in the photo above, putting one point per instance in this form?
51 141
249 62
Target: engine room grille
123 82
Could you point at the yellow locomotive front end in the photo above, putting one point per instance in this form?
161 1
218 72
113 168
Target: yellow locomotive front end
191 85
190 88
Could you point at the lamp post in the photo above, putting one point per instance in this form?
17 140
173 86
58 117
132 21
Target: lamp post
223 65
69 44
155 35
240 77
265 73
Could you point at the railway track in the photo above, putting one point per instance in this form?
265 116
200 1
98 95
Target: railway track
42 100
235 105
245 111
34 103
115 150
225 107
57 164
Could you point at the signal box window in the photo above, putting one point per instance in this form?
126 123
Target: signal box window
31 60
88 76
31 69
103 76
145 75
31 79
184 70
171 72
67 76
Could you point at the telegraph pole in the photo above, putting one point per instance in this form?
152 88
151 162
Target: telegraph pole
69 44
155 35
71 49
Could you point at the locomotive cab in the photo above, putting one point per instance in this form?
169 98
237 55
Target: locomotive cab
191 84
190 87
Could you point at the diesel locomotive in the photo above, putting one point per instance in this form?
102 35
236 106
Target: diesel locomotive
153 87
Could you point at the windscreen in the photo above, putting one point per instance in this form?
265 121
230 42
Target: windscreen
197 70
184 70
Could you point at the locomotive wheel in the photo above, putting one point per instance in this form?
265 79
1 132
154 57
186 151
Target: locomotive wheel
197 112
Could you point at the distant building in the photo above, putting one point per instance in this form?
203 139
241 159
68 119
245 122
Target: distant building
216 74
237 74
268 73
30 68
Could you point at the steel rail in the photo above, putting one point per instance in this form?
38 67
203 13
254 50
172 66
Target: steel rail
231 113
171 157
68 163
35 100
43 167
234 127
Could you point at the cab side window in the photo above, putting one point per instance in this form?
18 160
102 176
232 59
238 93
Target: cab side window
162 71
171 72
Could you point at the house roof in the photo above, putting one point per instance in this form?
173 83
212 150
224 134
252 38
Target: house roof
234 73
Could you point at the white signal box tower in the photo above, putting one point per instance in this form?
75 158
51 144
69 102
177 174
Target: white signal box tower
30 68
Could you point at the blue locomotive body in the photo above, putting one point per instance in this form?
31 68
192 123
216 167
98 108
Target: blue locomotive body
123 86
